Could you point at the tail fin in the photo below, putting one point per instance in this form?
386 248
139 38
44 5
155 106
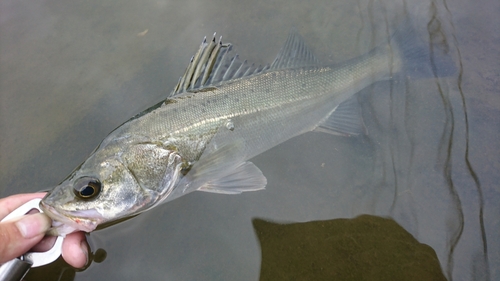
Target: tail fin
421 59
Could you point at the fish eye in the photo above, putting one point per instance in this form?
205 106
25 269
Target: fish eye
87 187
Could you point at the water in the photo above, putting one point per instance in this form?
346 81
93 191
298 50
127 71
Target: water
70 72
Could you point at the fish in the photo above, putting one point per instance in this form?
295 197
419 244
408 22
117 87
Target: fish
223 112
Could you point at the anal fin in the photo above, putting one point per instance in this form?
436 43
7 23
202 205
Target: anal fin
345 120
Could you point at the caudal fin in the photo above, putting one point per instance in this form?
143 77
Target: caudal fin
424 58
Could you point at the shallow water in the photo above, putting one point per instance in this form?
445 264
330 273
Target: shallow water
70 72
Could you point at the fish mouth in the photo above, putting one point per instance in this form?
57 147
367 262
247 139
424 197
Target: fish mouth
64 222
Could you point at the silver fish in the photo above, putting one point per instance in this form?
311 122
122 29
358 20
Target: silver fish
223 112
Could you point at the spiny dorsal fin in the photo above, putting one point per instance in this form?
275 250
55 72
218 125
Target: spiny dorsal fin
202 60
294 53
212 64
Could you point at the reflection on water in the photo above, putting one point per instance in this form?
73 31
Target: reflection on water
363 248
72 72
59 270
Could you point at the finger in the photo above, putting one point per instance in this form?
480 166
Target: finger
9 204
18 236
45 244
75 249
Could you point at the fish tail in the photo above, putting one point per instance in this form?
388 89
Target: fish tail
421 59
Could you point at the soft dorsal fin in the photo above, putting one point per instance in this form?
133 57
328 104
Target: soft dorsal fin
294 53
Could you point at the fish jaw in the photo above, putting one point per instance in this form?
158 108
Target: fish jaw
64 222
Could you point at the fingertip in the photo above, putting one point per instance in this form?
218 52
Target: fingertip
75 249
33 225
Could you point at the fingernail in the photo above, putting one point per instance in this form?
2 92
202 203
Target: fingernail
85 251
32 225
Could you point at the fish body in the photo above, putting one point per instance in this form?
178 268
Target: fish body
222 113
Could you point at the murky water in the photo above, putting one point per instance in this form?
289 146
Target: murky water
70 72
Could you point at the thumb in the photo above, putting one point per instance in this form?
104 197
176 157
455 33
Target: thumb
19 235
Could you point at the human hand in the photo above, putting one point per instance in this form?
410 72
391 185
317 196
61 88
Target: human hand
18 236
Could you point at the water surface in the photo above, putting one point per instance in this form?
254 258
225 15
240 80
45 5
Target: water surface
70 72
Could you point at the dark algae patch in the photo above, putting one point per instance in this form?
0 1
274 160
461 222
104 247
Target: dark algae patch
363 248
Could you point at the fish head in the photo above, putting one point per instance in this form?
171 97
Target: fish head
102 190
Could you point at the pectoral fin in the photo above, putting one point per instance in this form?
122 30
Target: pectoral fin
245 177
222 168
